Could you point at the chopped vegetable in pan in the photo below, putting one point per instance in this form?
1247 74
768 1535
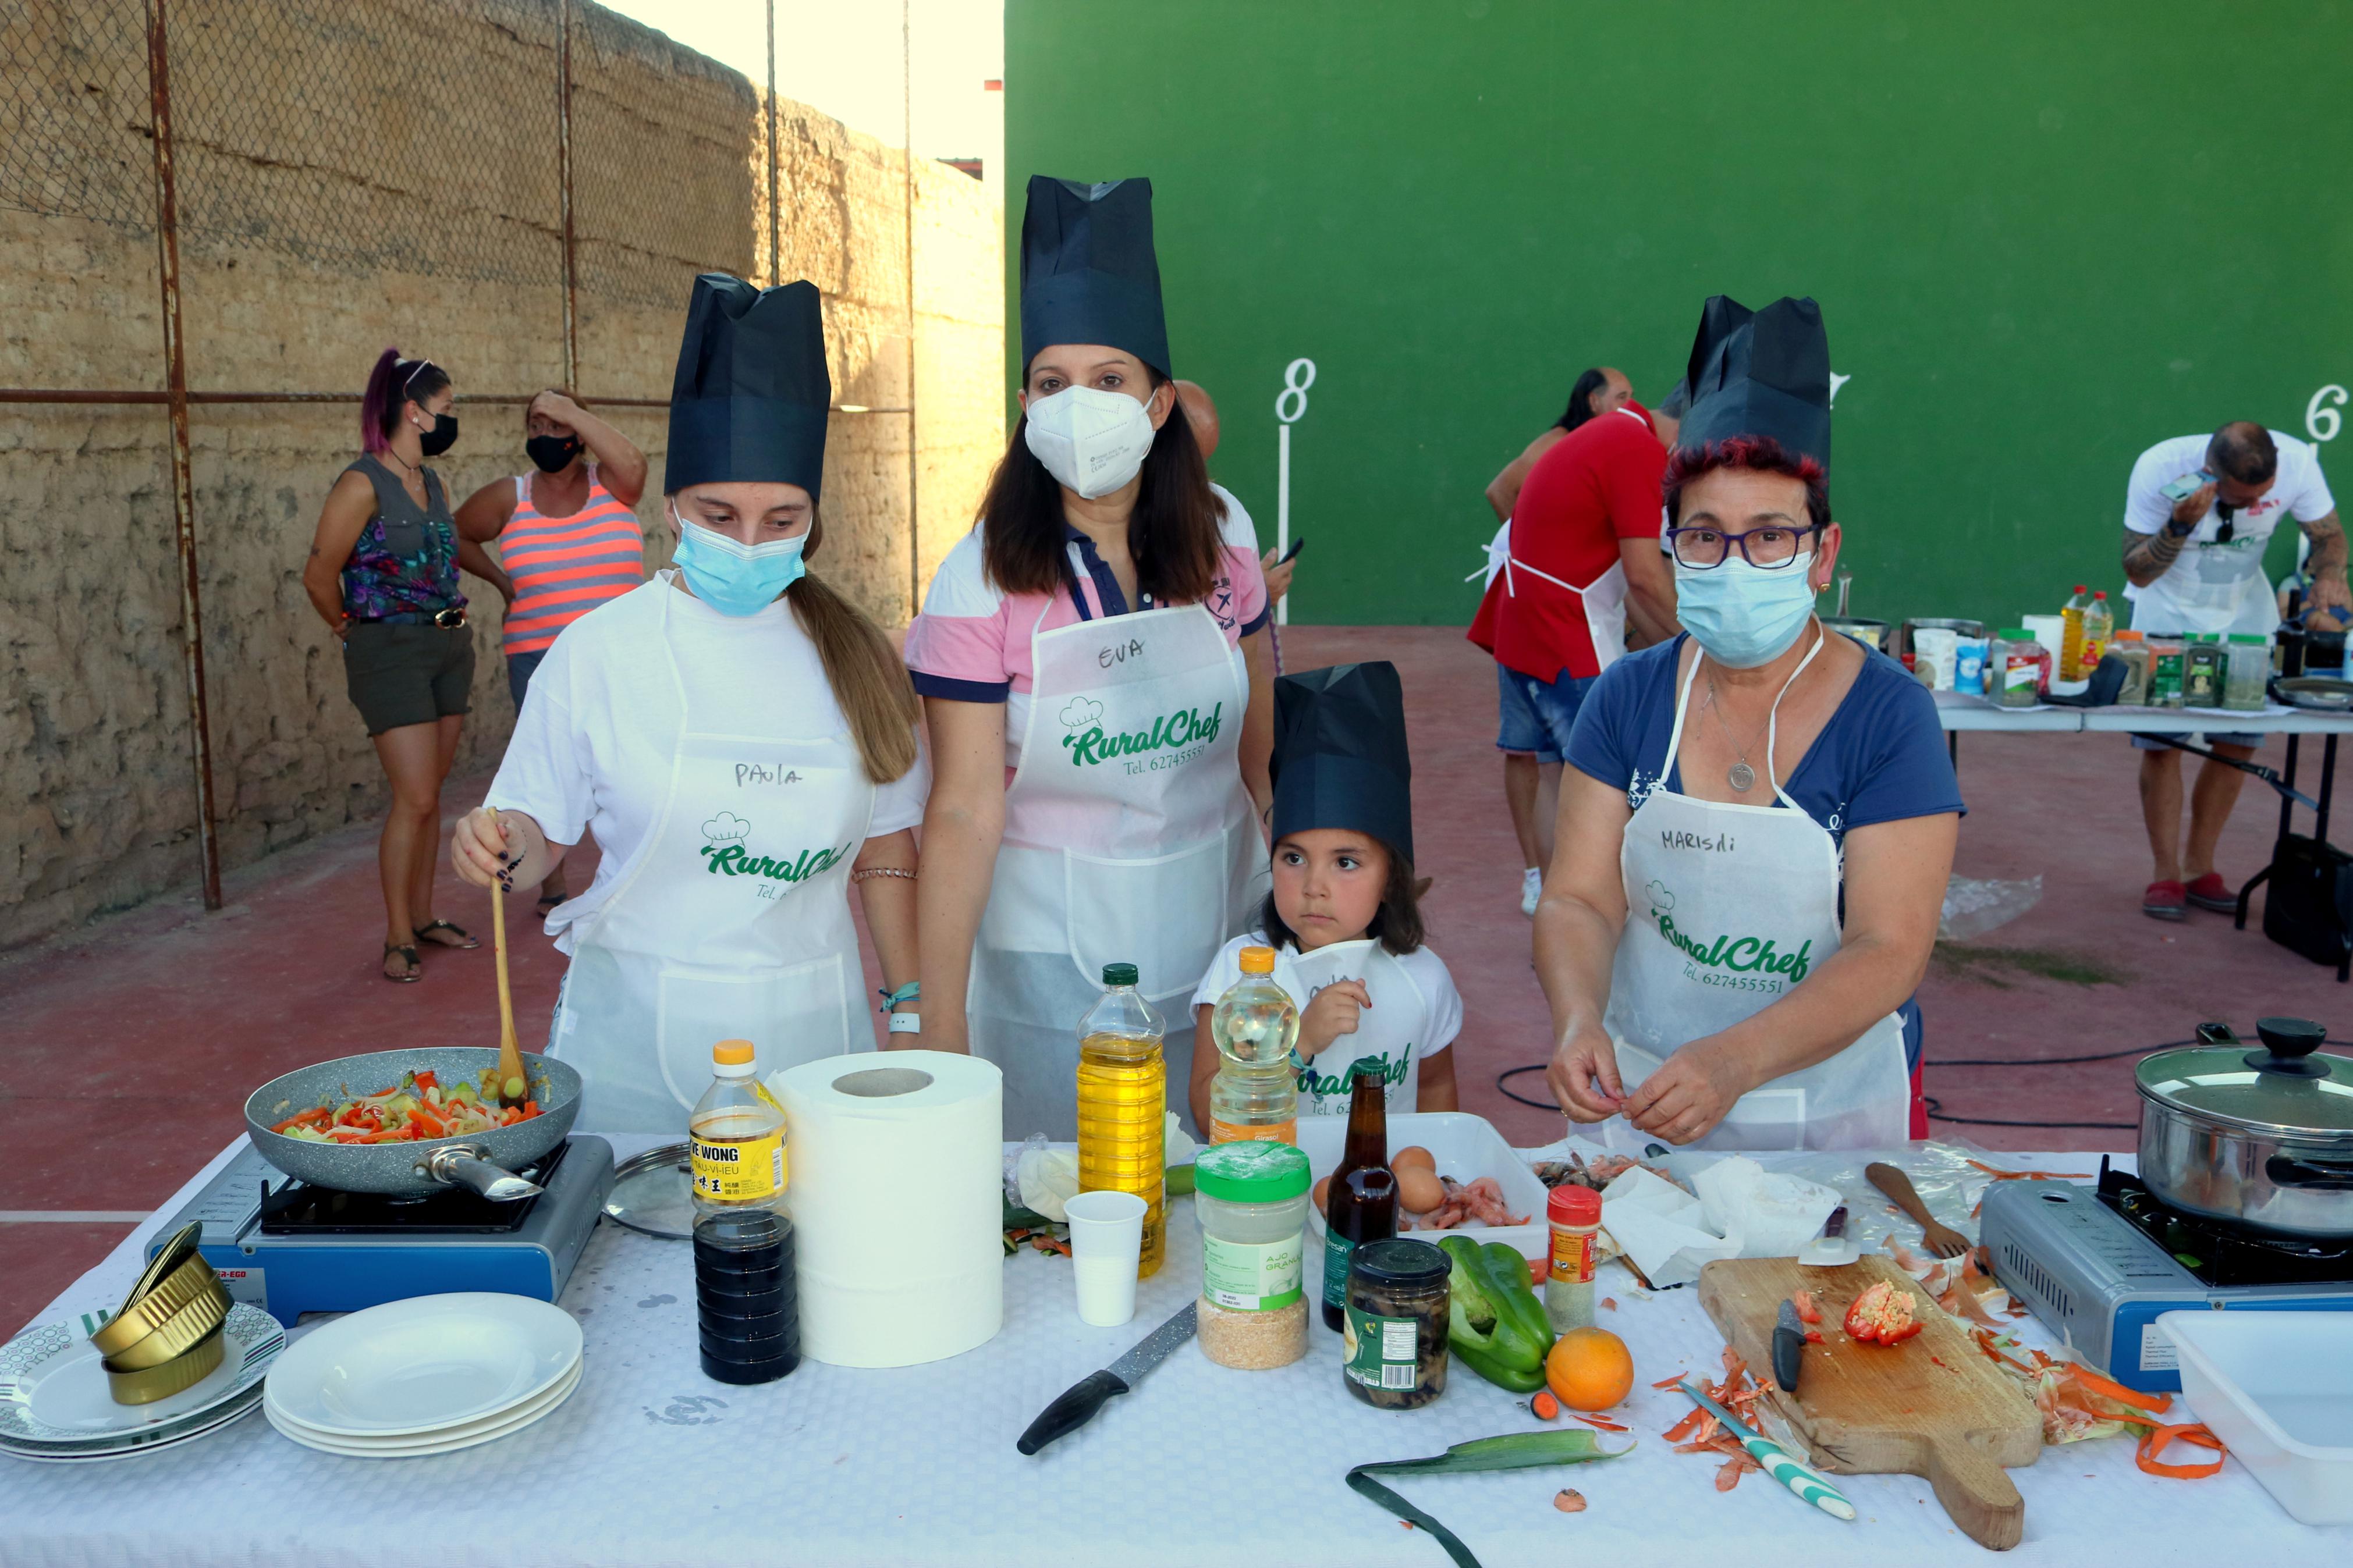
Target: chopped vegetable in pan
415 1109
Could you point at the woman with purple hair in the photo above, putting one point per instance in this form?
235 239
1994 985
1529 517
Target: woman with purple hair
383 573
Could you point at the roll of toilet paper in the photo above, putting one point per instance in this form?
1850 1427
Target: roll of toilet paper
896 1177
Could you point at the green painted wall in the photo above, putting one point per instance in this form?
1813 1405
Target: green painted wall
2045 235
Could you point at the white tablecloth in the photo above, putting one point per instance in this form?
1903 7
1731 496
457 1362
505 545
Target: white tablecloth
651 1463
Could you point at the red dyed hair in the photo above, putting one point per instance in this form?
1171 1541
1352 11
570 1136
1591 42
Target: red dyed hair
1758 454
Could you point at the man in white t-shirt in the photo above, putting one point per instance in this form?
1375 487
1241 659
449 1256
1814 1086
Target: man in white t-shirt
2197 513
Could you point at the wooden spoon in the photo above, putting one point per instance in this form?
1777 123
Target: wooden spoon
1940 1239
514 1087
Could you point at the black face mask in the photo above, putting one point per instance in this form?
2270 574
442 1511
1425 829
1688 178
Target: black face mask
441 437
551 453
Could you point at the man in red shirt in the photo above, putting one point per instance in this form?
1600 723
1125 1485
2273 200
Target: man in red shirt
1584 579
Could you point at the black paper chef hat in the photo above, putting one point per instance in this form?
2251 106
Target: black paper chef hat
751 394
1340 755
1762 372
1089 274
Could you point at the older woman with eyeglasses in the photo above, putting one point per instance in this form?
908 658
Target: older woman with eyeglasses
1756 818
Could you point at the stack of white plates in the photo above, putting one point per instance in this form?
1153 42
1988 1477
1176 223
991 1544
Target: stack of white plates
55 1407
425 1377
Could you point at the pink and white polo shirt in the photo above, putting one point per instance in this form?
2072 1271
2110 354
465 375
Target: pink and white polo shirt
971 644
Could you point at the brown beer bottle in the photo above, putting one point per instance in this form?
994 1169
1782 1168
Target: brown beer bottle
1361 1204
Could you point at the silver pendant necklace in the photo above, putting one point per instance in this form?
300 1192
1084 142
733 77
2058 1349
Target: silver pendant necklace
1742 777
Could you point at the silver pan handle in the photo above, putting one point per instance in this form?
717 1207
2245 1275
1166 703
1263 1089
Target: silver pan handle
464 1165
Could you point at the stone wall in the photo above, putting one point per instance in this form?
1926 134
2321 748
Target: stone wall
333 205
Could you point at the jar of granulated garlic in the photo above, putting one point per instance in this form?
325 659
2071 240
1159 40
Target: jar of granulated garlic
1251 1200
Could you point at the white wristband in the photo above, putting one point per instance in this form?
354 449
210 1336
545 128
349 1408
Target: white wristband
906 1023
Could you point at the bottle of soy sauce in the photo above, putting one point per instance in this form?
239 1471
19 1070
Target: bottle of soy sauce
1361 1204
747 1313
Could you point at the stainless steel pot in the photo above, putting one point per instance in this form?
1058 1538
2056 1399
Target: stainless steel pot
2262 1139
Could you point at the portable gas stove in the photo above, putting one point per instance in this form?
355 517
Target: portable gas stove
290 1247
2098 1266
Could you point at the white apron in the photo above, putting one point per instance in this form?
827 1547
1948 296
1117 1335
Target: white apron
2212 588
733 924
1390 1034
1727 907
1128 839
1605 603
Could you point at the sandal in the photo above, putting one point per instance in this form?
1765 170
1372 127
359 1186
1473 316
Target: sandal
444 925
415 965
547 901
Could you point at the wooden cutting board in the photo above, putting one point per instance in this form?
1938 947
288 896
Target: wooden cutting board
1932 1406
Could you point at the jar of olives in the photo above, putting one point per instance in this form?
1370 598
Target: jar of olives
1394 1338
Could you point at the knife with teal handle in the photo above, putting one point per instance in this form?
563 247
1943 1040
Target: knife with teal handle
1778 1462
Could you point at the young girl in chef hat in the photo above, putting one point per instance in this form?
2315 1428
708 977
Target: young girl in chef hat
1343 917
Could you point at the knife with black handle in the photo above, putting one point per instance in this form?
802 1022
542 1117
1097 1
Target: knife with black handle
1789 1347
1076 1406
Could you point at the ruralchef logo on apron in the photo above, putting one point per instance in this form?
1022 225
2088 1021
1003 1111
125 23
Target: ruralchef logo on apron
1340 1084
1185 732
1738 955
726 854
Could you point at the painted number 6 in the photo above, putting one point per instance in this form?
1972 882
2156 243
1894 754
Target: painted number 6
1290 404
2321 420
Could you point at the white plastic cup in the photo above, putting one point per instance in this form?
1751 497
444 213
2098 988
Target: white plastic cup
1106 1246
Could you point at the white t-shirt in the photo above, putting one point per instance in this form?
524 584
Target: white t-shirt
2298 490
1324 1081
591 747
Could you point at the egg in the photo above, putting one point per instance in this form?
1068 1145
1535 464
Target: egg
1418 1190
1322 1188
1414 1155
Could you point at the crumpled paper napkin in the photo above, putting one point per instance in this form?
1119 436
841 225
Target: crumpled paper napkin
1741 1210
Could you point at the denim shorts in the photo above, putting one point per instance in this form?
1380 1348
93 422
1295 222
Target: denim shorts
1537 715
520 667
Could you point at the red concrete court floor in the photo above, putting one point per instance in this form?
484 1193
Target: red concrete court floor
130 1044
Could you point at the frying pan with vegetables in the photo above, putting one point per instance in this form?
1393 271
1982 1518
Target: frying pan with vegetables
484 1162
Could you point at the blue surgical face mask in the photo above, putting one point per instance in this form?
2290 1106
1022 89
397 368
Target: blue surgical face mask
733 578
1744 616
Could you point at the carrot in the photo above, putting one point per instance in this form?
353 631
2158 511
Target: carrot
1684 1427
1598 1423
1544 1407
302 1118
2153 1443
2156 1404
1671 1382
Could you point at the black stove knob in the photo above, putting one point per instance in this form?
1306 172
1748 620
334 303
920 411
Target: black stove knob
2291 1041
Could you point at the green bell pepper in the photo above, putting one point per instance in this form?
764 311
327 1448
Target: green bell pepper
1495 1325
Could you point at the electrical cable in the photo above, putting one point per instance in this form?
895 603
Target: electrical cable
1521 1099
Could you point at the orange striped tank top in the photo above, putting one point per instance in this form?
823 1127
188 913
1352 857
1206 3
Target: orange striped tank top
563 567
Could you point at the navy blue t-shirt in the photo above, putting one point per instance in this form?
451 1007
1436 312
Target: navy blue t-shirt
1881 758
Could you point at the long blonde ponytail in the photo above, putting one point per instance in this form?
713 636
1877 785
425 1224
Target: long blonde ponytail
869 680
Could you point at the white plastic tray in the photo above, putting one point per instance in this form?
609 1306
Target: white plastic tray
2277 1387
1466 1147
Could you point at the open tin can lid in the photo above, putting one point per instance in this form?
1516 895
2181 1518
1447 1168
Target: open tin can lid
2289 1088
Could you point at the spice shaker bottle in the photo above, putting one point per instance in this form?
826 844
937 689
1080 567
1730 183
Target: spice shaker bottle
1575 1215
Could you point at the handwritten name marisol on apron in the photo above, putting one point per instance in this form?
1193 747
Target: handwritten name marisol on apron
1739 955
733 860
1171 731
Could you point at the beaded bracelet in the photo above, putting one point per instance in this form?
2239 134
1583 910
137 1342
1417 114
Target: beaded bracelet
880 871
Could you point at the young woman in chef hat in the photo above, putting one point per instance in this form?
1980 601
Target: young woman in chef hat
1343 916
740 739
1092 667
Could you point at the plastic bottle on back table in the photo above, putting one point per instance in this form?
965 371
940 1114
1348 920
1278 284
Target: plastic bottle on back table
747 1308
1122 1097
1256 1092
2099 632
2071 635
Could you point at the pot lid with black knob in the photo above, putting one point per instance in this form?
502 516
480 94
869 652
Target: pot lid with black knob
2290 1087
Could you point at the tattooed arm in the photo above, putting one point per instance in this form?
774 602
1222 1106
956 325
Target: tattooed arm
2149 556
2325 566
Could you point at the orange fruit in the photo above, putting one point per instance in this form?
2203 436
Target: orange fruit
1590 1369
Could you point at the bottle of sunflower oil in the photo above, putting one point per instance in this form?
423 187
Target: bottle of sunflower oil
1122 1097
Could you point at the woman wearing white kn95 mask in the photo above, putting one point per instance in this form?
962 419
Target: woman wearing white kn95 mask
1757 817
742 740
1093 672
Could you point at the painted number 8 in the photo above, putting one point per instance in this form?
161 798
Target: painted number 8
1291 406
2322 421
